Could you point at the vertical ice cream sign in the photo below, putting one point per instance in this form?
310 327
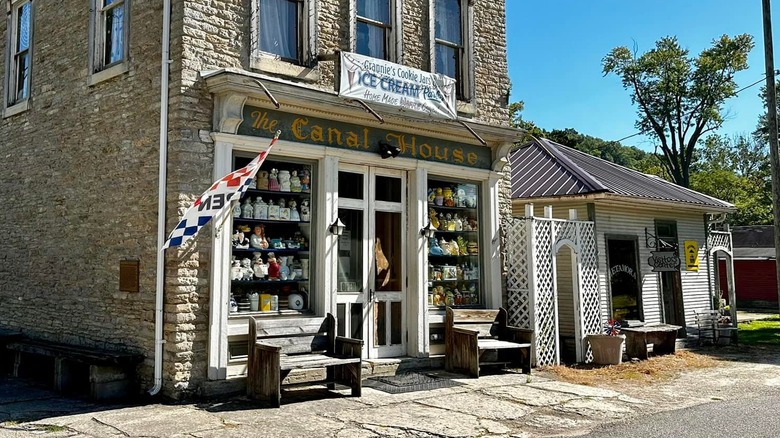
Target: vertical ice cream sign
376 81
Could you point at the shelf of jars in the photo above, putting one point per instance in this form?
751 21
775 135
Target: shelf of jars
453 249
270 244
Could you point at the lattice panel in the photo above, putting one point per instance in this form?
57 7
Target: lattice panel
518 291
719 239
544 295
590 299
565 230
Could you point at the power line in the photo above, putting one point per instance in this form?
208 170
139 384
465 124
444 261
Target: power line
777 72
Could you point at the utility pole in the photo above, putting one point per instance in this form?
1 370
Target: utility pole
771 115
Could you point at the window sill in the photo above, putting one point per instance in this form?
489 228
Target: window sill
104 75
268 64
467 108
16 108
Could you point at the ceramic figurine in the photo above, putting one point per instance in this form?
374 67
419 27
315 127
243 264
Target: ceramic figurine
260 268
295 182
237 209
260 209
294 216
461 246
472 248
240 241
305 215
432 217
435 248
235 270
448 201
233 304
454 248
439 198
284 211
257 239
305 180
273 182
458 223
262 180
284 180
450 223
461 193
431 195
247 210
273 267
284 270
246 269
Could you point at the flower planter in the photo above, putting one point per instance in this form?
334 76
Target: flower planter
607 350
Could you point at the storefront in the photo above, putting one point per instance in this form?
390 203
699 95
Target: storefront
338 220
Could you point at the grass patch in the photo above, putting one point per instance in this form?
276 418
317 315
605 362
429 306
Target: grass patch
760 331
643 372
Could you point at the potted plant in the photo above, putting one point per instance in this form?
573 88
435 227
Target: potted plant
607 348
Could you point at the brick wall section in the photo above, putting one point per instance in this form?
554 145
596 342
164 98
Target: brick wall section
80 176
83 162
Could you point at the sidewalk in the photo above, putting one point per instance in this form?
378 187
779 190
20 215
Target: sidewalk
498 405
752 315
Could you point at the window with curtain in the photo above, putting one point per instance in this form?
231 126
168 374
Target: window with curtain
373 28
452 43
110 21
20 37
279 28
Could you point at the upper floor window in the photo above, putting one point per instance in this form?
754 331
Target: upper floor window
374 28
452 43
281 28
109 38
19 59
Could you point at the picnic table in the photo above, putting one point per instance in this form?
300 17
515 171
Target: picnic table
662 336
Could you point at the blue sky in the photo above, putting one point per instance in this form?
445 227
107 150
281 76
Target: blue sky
555 48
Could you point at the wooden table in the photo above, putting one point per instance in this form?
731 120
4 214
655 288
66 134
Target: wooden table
662 336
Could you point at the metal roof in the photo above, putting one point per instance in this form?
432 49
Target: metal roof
543 168
753 242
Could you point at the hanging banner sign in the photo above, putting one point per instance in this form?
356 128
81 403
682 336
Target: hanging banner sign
377 81
691 255
664 261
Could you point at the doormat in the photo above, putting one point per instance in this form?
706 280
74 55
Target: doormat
410 382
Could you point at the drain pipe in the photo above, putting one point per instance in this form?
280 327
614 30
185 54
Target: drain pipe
162 183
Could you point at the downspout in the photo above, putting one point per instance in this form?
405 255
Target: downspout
162 183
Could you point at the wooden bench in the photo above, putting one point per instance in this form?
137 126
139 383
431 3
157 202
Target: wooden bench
662 336
709 327
108 375
475 338
278 346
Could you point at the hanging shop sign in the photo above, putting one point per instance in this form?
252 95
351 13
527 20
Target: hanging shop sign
261 122
378 81
691 255
664 261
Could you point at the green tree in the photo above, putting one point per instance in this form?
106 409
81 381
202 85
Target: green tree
680 98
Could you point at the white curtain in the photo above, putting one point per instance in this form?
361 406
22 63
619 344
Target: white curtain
117 34
279 27
371 39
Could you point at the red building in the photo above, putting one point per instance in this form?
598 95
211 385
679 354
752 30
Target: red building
755 275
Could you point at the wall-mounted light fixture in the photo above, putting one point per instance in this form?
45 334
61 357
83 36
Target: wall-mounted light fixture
337 227
428 230
386 150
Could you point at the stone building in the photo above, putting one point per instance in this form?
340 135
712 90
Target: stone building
83 137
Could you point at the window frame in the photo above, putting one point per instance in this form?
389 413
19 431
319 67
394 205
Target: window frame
465 69
394 30
11 103
303 68
98 70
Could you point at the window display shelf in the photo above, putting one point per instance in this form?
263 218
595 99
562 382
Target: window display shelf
457 232
275 251
445 208
238 220
267 282
287 312
278 193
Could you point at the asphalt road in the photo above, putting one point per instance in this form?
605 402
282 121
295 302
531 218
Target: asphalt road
750 417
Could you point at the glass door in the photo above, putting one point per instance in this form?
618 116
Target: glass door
371 274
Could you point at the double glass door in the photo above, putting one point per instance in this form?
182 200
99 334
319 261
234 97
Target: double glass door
371 289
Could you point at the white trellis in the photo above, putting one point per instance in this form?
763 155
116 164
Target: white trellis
532 297
720 241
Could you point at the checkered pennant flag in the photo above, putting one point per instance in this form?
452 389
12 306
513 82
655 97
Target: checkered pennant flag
215 199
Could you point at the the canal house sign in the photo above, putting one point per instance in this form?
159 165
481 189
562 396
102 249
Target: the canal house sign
261 122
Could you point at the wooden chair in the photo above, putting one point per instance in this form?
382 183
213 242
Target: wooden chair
278 346
478 337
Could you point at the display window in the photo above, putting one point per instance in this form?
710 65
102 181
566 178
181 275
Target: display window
454 269
272 239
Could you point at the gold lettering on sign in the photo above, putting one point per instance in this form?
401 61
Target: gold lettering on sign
365 138
333 132
352 140
262 122
457 155
409 149
317 134
297 125
426 151
472 158
444 156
